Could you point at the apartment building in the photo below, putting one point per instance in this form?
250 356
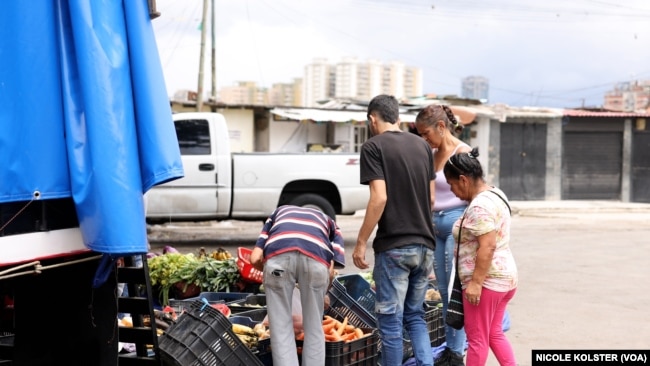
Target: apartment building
354 79
317 82
629 97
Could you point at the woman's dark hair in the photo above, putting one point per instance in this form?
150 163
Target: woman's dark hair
465 164
433 113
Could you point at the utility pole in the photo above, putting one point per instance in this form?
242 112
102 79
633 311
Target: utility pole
199 92
214 58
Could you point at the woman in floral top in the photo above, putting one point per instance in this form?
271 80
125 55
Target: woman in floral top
486 266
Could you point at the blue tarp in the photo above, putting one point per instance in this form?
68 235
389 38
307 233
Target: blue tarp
84 113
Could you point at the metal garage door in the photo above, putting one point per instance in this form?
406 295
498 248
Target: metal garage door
592 164
522 160
641 166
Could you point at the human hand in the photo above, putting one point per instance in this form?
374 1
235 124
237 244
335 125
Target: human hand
359 255
473 293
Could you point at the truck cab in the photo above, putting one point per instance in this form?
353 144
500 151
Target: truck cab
219 184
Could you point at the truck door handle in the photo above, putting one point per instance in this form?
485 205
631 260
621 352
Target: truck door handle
206 167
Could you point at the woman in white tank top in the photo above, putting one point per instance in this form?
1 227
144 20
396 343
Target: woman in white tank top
438 126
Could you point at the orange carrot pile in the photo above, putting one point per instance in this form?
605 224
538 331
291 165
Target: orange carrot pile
336 331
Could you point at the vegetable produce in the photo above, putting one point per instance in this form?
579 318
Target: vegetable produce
242 329
223 308
213 275
207 273
164 271
336 331
247 335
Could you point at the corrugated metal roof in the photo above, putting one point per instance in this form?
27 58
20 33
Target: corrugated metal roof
589 113
329 115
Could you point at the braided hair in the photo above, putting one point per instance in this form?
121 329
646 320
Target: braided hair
433 113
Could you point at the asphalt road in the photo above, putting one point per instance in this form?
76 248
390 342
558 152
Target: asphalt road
583 274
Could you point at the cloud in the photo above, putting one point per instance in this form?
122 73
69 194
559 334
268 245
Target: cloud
555 52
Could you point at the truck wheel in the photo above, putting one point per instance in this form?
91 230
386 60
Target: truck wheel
315 201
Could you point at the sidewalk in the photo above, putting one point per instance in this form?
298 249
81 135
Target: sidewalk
237 231
575 206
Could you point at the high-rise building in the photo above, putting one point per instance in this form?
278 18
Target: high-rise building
475 87
412 81
354 79
369 79
346 78
393 79
629 97
316 83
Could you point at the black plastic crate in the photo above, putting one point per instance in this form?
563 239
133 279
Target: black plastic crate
211 297
257 315
203 336
342 305
435 325
6 348
359 352
251 302
359 290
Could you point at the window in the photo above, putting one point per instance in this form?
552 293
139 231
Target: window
360 136
193 137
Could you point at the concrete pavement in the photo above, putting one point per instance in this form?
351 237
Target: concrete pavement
227 232
583 270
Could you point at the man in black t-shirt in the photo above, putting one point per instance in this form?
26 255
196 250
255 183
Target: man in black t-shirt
398 167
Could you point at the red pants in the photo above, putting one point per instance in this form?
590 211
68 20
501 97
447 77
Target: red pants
484 328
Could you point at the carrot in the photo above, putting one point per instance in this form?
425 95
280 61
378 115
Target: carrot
350 328
332 337
358 332
342 326
349 337
328 319
327 328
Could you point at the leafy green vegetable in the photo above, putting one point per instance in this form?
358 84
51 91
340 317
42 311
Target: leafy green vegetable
209 274
165 271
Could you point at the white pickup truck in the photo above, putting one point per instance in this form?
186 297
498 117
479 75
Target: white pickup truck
219 184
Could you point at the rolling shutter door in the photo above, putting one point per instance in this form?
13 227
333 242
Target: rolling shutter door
592 165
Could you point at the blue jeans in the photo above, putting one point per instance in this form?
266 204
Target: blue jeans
401 278
443 259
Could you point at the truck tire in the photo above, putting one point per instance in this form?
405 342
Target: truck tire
315 201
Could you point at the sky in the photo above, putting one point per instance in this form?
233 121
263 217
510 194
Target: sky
552 53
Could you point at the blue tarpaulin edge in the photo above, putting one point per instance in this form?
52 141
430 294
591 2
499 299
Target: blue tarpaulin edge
85 114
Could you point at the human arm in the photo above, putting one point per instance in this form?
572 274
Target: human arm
487 244
257 255
257 258
374 211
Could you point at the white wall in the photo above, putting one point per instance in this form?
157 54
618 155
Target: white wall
292 136
241 129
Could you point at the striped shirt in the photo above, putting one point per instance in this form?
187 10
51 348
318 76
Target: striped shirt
306 230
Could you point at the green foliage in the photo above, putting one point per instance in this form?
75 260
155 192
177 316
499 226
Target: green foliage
209 274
